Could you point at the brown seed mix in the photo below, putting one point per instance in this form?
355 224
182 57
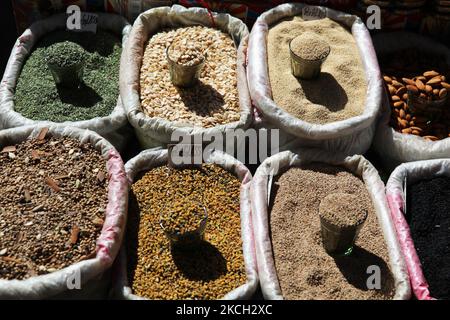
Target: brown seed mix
425 76
304 269
343 209
184 215
207 271
46 223
213 101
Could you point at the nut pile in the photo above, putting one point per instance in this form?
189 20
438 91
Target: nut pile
213 101
185 53
183 216
156 270
53 195
426 79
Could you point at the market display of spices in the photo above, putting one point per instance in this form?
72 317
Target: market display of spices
418 89
304 269
38 97
429 221
211 269
213 101
54 190
342 75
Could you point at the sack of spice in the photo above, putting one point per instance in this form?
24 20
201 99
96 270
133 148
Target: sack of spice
292 264
336 111
221 266
418 196
219 101
63 212
29 95
429 139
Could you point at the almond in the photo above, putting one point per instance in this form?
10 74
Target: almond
430 74
409 81
415 132
397 84
402 114
402 123
398 104
407 131
412 89
445 85
395 98
405 97
428 89
400 91
417 129
442 93
434 81
431 138
387 79
420 85
392 89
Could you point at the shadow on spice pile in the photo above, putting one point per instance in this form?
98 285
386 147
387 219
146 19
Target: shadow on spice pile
194 96
354 269
192 262
335 98
72 96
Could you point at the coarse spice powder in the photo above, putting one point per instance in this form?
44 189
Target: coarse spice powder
38 98
209 270
213 101
304 269
310 46
337 94
428 204
53 196
343 209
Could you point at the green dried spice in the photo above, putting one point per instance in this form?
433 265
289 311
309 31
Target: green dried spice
64 54
37 97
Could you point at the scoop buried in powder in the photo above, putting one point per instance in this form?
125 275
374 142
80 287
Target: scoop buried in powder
341 217
308 52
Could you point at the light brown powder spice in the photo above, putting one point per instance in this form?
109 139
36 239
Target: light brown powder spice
340 90
310 46
304 269
343 209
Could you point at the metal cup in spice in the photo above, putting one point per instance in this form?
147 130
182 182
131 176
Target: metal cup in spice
186 62
66 61
184 222
341 218
308 52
